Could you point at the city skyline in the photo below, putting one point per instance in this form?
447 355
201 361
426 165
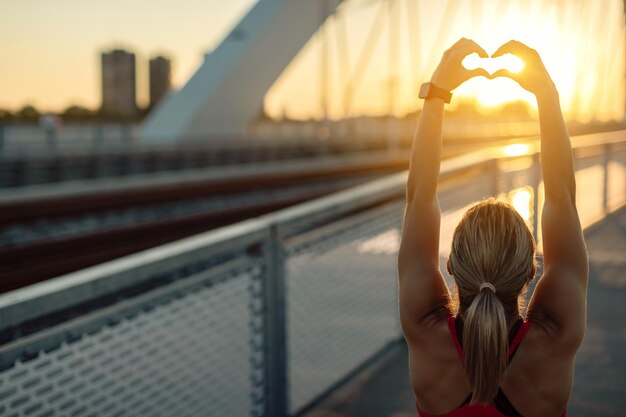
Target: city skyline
56 64
64 41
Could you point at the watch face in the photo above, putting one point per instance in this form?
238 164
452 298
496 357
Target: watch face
424 90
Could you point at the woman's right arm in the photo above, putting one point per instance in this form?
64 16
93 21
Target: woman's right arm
559 302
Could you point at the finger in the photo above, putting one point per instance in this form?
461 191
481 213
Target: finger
454 47
504 73
512 47
464 47
458 43
469 47
477 72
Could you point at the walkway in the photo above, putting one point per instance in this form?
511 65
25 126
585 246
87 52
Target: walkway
600 382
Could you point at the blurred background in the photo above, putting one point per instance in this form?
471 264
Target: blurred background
90 72
223 183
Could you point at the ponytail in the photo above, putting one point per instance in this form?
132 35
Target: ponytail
485 345
492 248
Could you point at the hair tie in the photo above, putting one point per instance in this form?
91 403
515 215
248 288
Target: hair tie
487 285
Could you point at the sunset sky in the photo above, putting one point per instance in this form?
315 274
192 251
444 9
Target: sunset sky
50 50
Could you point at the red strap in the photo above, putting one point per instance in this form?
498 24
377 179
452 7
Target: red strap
455 338
518 338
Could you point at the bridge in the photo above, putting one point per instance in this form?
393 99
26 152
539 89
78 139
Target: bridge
195 272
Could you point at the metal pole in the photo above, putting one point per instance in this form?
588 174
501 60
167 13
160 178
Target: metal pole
323 62
275 327
344 69
392 68
364 56
493 174
415 46
536 178
624 59
604 66
605 180
441 38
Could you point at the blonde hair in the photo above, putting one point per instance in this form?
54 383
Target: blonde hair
491 244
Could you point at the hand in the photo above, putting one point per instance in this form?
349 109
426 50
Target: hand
451 73
533 77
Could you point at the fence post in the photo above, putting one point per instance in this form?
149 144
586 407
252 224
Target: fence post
275 328
536 180
493 177
605 180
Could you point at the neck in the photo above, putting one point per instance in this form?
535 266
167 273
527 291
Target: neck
510 320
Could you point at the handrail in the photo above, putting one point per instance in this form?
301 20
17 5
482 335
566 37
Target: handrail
193 176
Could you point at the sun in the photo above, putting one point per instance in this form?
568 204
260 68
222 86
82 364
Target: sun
498 91
507 61
560 50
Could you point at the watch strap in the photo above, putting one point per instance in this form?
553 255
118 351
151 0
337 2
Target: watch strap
430 90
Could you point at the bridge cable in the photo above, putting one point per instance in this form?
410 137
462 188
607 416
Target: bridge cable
343 57
606 68
364 57
392 64
323 69
413 29
441 39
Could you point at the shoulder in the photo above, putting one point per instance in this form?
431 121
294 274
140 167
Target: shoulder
558 313
431 341
545 360
430 328
436 369
542 370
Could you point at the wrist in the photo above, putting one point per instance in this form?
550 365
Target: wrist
433 108
547 94
439 84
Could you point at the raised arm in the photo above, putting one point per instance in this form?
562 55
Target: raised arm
422 288
559 301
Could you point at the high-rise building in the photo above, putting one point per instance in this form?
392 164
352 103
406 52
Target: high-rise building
119 83
160 70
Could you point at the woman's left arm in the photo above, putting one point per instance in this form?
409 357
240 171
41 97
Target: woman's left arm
422 288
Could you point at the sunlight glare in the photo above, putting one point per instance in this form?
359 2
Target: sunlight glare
520 199
386 243
506 61
497 91
516 149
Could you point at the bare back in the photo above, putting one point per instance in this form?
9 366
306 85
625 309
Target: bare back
537 381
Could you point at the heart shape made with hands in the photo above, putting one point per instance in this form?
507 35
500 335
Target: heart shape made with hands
507 61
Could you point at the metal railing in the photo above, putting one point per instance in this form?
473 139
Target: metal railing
261 318
76 160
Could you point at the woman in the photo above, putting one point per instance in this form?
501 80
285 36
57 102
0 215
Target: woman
487 361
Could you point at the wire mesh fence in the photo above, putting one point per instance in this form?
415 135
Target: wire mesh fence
183 350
